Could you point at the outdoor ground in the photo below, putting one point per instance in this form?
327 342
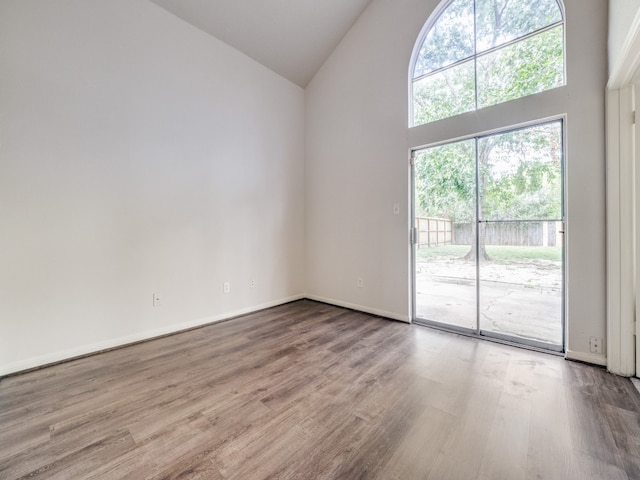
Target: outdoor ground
520 290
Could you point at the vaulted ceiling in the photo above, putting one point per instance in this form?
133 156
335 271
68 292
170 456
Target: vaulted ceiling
291 37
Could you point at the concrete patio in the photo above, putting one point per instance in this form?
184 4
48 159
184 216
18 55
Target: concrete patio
520 299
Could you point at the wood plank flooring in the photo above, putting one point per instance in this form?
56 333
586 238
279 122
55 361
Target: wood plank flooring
312 391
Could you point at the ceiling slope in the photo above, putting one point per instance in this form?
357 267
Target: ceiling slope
291 37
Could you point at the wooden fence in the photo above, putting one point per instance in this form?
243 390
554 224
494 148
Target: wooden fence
520 234
435 232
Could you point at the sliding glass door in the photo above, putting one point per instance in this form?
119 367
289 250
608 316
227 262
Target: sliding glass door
445 198
488 253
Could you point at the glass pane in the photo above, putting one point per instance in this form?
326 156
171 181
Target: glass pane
520 176
445 206
449 40
500 21
523 68
444 94
521 285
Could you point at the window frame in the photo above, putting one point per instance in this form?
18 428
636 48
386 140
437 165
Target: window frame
479 332
430 23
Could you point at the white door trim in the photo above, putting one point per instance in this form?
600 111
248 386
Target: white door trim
623 210
627 67
620 233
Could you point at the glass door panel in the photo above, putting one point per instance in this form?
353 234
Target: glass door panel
520 234
488 235
445 285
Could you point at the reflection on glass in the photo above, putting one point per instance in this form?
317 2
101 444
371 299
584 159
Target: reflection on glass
443 94
529 66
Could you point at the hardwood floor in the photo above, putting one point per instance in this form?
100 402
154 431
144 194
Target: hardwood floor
311 391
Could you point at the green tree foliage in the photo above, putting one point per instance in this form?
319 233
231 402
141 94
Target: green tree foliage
450 40
506 59
529 66
501 21
444 94
521 174
445 181
480 53
519 177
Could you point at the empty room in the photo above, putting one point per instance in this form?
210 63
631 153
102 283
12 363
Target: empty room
344 239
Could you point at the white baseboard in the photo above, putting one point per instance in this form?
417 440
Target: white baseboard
360 308
70 354
594 358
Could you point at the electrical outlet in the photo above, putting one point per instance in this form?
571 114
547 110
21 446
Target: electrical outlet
226 287
359 282
595 345
252 283
156 300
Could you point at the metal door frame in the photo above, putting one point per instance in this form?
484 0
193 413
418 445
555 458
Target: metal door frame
478 332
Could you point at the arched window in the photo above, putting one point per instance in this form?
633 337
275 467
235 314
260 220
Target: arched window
478 53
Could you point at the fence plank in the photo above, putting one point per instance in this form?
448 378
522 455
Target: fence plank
434 232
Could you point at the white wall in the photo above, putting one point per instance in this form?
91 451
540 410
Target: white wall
621 16
357 143
357 163
137 155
